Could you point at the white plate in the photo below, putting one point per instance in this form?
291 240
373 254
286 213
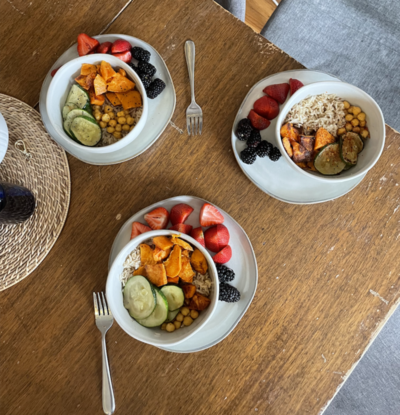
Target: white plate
277 178
3 137
160 113
243 262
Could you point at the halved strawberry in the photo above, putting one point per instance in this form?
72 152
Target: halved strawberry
198 235
279 92
138 228
125 56
258 122
179 213
210 215
157 218
54 71
182 228
223 256
267 107
295 85
216 237
104 47
86 44
120 45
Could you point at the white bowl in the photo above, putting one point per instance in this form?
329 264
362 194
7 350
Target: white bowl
59 89
155 336
3 137
375 123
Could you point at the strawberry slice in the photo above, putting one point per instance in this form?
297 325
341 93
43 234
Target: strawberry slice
223 256
104 47
182 228
157 218
210 215
120 45
86 44
267 107
54 71
138 228
216 238
258 122
295 85
198 235
179 213
125 56
278 92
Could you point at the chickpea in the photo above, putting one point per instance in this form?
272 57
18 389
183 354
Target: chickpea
364 134
170 327
120 114
348 117
126 112
97 115
105 118
118 127
363 123
356 130
356 111
185 311
111 115
110 130
112 123
130 120
350 110
346 105
122 72
194 314
107 108
121 120
348 127
361 116
177 324
103 124
125 127
355 122
179 317
117 135
164 325
187 321
341 131
96 107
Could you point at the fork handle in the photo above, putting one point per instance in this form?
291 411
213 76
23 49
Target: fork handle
107 389
190 53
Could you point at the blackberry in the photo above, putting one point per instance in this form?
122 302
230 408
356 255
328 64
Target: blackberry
134 67
147 68
146 80
264 149
140 54
248 155
155 88
255 139
244 129
225 274
228 293
275 154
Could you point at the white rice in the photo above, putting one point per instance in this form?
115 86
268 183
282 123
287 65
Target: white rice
132 263
203 283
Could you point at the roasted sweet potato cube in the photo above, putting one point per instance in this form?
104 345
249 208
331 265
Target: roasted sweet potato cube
199 302
146 255
307 141
162 242
174 280
322 138
311 166
187 272
300 154
181 242
112 97
160 254
106 71
186 253
141 271
199 262
288 146
189 290
88 68
85 81
119 83
173 264
302 165
94 99
100 85
156 274
288 131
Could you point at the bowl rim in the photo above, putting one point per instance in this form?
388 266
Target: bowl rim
120 258
290 103
114 61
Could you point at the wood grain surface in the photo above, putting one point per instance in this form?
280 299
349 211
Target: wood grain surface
313 314
258 12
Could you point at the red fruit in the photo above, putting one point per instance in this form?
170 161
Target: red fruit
278 92
267 107
182 228
120 45
138 228
179 213
125 57
157 218
216 238
198 235
210 215
86 44
223 256
258 122
104 47
294 85
54 71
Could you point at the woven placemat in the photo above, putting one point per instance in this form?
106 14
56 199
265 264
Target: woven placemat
46 173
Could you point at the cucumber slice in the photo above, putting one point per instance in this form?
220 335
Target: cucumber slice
172 314
80 97
350 145
160 313
139 297
69 106
71 116
174 295
86 130
328 161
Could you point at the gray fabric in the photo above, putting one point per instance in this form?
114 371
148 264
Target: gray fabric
236 7
356 40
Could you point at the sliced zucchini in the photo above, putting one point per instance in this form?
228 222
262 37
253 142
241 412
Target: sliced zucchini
71 116
80 97
328 161
139 297
69 106
160 313
86 130
174 295
172 314
350 145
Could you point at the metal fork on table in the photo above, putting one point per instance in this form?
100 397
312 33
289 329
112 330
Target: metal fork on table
104 320
194 114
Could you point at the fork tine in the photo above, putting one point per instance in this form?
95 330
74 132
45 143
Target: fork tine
194 125
197 125
188 125
101 309
96 307
106 309
200 124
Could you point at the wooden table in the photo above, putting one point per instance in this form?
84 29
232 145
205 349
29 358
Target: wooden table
314 313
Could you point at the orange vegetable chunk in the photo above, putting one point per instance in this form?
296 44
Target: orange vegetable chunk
146 255
300 154
156 274
199 262
322 138
94 99
162 242
311 166
88 68
186 253
189 290
106 71
100 85
288 131
186 274
199 302
130 99
182 243
141 271
160 254
119 83
288 146
173 264
112 97
82 80
174 280
122 72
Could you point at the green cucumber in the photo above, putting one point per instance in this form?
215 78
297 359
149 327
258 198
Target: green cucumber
160 313
139 297
86 130
172 314
350 145
174 295
80 97
328 161
69 106
71 116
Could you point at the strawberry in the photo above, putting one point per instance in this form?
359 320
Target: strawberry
125 56
104 47
267 107
210 215
294 85
54 71
198 235
157 218
179 213
86 44
258 122
182 228
278 92
138 228
223 256
216 238
120 45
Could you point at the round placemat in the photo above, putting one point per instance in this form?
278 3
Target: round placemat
43 169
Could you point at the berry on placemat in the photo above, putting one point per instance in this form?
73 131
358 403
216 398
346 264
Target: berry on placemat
146 80
104 47
138 228
86 44
124 56
264 149
223 256
279 92
228 293
157 218
258 122
275 154
225 274
248 155
179 213
295 85
120 46
267 107
182 228
155 88
210 215
147 68
134 67
140 54
244 129
255 139
216 237
198 235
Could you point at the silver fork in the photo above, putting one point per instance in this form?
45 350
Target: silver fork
104 320
194 114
